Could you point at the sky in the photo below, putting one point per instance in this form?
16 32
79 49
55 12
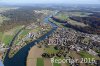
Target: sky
51 1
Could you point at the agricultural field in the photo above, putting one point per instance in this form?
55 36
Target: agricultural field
40 62
1 35
58 24
72 22
50 50
62 16
56 64
81 14
65 16
84 54
6 37
22 34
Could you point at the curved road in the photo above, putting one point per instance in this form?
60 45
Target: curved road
20 57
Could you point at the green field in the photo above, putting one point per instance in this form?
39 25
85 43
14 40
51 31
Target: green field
65 16
62 16
1 36
40 62
50 50
6 37
81 14
56 64
22 34
58 24
85 54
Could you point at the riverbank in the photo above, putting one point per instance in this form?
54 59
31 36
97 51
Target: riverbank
21 56
0 56
34 53
35 34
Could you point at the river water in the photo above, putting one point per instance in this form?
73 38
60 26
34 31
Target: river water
20 58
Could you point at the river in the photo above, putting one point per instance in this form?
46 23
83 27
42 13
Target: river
20 58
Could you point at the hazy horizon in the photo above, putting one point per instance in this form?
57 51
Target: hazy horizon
50 1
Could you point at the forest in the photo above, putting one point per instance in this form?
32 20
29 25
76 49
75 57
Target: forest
92 21
21 16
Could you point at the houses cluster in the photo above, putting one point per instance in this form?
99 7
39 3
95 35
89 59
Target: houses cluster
62 37
74 40
32 26
21 43
3 48
45 12
67 39
31 36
